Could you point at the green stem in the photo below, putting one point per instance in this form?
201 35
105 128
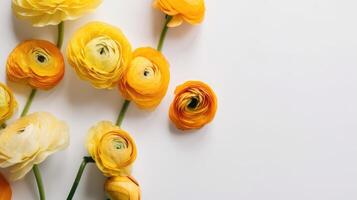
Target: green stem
41 190
84 163
123 110
35 168
29 102
163 33
60 35
126 103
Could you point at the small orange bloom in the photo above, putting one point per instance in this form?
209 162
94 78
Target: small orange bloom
5 189
38 63
194 106
191 11
146 78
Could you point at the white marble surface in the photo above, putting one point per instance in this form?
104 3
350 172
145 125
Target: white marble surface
284 72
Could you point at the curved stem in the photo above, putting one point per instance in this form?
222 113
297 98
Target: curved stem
29 102
60 35
122 113
126 103
38 177
163 33
84 163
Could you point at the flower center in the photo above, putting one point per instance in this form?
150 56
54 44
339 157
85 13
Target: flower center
193 103
119 145
146 72
40 56
103 54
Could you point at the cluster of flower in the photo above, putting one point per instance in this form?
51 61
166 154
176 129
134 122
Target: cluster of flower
102 55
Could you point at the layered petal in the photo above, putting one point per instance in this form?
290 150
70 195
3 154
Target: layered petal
99 54
112 148
8 103
192 11
29 141
122 187
52 12
194 105
146 79
38 63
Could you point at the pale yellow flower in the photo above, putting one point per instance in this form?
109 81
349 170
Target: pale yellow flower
99 54
146 79
122 188
113 149
8 103
191 11
52 12
29 141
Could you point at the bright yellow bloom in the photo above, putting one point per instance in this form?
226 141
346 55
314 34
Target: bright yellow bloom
29 141
38 63
194 106
99 53
113 149
52 12
122 188
5 189
8 103
146 79
192 11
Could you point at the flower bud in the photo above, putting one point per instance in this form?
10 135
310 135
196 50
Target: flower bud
122 188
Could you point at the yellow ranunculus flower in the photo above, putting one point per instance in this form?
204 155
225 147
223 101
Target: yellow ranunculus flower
5 189
194 106
29 141
122 188
38 63
52 12
113 149
8 103
192 11
99 53
146 79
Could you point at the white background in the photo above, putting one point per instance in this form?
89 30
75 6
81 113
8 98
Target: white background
285 75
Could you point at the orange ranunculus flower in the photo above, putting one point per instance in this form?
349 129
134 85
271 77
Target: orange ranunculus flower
5 189
122 187
194 106
38 63
146 79
192 11
8 103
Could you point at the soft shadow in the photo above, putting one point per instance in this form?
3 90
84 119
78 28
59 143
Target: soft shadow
30 183
136 113
83 96
24 30
178 132
95 180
